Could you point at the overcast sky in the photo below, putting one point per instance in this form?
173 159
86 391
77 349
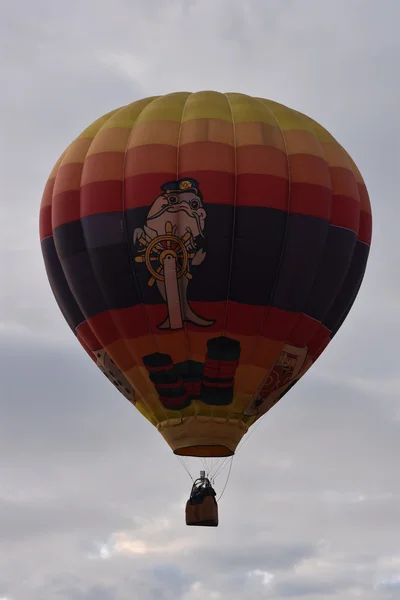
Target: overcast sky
91 497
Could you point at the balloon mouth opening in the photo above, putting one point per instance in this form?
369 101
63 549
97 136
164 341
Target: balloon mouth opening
203 436
205 451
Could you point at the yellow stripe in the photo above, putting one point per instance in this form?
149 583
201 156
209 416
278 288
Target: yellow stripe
207 105
126 116
164 108
250 110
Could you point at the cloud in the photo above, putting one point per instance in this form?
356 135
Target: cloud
91 499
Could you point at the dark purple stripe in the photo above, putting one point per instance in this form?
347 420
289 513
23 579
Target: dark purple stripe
310 257
349 290
59 285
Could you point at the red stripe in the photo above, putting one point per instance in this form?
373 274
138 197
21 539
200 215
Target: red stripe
66 207
346 212
101 197
45 227
86 335
365 230
304 330
319 341
279 325
142 190
267 191
170 386
217 384
173 402
310 199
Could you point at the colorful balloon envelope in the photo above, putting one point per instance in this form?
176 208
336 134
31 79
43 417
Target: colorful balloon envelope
205 248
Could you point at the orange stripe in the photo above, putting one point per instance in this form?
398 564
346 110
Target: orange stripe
154 158
155 132
47 196
110 139
264 134
207 130
207 156
68 178
263 160
364 198
303 142
306 168
106 166
343 182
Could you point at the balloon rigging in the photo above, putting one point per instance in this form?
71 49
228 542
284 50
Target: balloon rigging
204 249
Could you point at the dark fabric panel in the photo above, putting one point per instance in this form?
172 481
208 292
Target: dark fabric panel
105 229
59 285
314 261
69 239
112 266
259 238
303 250
82 281
257 247
351 285
335 262
100 277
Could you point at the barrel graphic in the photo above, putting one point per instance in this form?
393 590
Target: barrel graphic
191 372
168 383
219 371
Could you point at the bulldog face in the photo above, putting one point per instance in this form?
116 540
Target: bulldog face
184 210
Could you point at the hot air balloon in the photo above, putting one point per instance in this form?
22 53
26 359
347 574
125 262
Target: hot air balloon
205 248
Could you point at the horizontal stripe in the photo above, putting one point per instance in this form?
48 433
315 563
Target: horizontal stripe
141 190
253 190
68 178
306 168
207 130
364 198
47 196
206 156
277 325
343 182
105 166
261 160
155 158
45 226
345 212
365 229
207 104
303 142
311 200
95 250
110 139
77 151
101 197
335 156
66 207
247 109
59 285
259 134
349 289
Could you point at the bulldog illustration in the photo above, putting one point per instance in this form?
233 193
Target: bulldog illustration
169 245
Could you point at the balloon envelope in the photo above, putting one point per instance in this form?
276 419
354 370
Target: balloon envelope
205 248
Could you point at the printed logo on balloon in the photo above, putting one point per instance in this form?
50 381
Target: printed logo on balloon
283 375
169 246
